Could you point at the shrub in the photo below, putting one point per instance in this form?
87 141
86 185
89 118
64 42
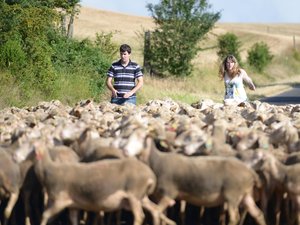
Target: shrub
105 44
296 55
259 56
12 55
85 57
229 44
38 57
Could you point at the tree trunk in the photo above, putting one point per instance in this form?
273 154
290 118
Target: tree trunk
71 24
63 24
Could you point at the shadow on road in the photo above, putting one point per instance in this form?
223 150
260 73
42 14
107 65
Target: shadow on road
289 97
282 100
291 84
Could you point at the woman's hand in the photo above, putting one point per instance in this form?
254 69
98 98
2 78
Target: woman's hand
252 87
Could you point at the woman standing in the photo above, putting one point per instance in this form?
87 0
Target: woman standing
234 79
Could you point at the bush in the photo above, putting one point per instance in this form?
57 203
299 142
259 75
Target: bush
296 55
82 57
229 44
259 56
12 55
39 59
106 45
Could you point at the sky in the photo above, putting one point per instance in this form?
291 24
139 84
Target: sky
238 11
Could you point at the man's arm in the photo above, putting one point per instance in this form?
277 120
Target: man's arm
140 82
111 87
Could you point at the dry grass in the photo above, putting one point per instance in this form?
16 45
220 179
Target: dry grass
128 29
90 21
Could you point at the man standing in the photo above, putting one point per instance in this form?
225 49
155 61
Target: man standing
124 78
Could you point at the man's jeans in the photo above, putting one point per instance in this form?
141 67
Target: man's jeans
121 101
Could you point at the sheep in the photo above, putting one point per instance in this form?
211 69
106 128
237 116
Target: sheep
293 158
10 181
248 141
91 147
285 178
190 178
206 128
105 185
32 193
217 143
63 154
284 133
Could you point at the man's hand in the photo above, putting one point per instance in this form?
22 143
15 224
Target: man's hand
128 94
114 93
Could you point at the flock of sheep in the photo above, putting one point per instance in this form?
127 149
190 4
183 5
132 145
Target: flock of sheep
92 163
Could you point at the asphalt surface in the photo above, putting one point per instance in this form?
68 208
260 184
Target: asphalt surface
289 97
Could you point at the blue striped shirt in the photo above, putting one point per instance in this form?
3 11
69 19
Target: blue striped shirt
124 77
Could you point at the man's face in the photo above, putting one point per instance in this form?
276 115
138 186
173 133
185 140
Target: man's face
124 57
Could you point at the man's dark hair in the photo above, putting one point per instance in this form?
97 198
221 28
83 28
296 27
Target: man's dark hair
125 48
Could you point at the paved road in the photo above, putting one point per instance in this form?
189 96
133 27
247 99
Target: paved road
289 97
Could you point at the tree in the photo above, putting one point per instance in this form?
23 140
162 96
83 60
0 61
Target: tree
25 38
180 25
67 9
229 44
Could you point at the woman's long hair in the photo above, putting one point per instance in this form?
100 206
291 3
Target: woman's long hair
223 69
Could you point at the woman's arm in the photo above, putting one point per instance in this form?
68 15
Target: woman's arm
247 80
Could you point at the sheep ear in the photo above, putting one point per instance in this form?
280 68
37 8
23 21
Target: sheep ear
163 143
261 155
149 142
144 156
38 155
84 135
38 148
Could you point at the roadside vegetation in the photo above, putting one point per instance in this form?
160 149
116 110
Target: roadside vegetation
40 60
281 74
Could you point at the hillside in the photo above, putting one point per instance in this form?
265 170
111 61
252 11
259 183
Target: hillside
129 29
125 27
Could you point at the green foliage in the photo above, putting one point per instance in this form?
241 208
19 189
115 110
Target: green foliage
24 44
180 26
40 60
72 56
68 5
296 55
105 44
12 55
259 56
228 44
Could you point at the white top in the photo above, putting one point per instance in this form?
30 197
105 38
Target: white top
234 88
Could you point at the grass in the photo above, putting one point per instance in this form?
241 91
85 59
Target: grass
70 90
13 95
202 84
